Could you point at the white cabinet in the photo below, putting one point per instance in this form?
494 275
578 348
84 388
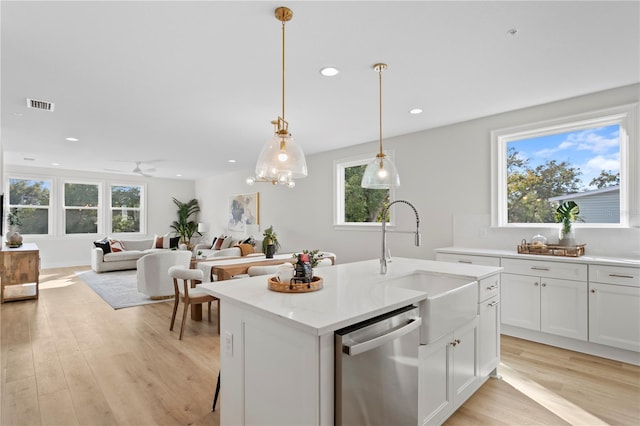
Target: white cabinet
489 331
468 259
448 373
614 306
488 310
545 296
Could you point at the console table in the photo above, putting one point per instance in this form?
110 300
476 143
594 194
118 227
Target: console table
19 272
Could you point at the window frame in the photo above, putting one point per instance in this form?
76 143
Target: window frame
50 207
339 167
625 116
64 207
142 209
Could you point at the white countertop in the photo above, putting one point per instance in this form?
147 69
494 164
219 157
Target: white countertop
600 260
352 293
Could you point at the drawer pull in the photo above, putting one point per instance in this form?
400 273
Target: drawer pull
544 285
593 290
536 284
492 287
464 261
492 304
620 276
538 268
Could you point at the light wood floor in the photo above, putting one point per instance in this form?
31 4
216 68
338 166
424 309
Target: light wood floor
70 359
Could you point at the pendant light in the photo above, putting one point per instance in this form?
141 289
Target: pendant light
281 160
381 173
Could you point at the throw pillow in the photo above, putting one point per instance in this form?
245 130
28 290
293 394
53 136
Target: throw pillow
219 243
213 243
228 242
116 246
104 245
173 242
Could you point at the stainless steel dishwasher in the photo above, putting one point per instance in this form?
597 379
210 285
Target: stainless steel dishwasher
376 370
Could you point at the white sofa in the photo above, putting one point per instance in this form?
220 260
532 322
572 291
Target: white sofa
153 272
228 251
126 259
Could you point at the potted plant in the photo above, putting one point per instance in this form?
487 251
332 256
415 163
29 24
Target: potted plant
14 239
185 227
270 244
566 214
313 256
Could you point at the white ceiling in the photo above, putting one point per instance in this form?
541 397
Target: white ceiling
192 85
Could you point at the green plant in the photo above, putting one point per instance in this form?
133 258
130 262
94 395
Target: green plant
14 219
313 256
270 237
184 226
567 213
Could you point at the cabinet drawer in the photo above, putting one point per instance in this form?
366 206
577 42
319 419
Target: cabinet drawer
468 259
561 270
488 287
620 275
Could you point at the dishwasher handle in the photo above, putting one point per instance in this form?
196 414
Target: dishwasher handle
359 348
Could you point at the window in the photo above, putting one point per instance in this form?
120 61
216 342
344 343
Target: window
357 206
126 205
30 200
584 158
81 204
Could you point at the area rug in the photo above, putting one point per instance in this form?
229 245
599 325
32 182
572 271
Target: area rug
119 288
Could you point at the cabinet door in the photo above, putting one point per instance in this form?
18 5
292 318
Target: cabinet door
434 392
465 366
489 330
563 308
520 301
614 315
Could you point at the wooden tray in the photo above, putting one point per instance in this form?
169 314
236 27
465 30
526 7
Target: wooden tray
285 287
552 250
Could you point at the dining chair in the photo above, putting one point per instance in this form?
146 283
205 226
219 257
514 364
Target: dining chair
189 294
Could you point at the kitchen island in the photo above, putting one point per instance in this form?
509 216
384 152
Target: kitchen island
277 349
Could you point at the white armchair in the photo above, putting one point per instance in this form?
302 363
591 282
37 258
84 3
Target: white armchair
153 272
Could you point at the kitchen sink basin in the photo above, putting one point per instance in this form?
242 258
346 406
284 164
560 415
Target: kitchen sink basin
451 301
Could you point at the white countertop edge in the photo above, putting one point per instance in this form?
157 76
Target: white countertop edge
358 276
600 260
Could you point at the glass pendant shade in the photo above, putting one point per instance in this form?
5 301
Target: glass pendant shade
281 160
381 173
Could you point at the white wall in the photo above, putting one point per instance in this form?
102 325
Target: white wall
73 250
445 173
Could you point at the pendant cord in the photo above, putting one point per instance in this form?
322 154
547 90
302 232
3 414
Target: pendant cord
380 105
283 117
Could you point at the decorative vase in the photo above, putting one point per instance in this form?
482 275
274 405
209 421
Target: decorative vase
14 239
567 237
271 250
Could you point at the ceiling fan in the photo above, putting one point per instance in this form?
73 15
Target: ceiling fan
137 170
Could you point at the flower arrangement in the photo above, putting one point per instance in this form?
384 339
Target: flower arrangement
314 259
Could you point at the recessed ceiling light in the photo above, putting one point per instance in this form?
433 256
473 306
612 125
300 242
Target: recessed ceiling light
512 31
179 175
72 139
231 161
329 71
55 164
415 111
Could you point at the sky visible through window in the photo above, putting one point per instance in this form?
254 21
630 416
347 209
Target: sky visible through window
591 150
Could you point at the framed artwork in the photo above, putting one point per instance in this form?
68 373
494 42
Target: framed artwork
244 211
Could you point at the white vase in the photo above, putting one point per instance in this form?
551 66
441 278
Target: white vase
567 239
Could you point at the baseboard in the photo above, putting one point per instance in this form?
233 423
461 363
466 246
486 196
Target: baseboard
616 354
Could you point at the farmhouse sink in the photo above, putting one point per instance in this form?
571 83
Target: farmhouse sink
451 301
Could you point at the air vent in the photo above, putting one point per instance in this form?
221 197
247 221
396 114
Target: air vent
43 105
